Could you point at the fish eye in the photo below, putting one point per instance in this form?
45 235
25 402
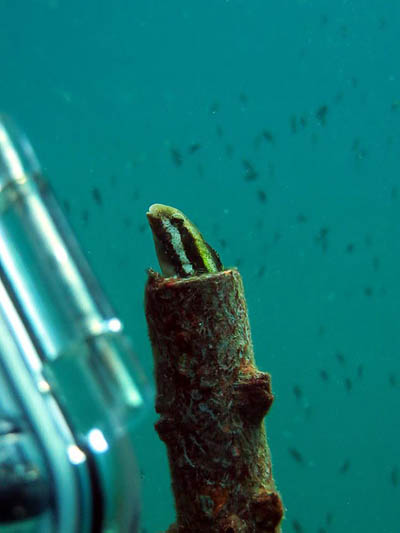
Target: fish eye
178 217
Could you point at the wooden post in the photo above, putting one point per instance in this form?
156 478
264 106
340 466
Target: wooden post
212 401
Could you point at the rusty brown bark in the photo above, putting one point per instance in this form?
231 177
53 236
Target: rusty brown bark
212 401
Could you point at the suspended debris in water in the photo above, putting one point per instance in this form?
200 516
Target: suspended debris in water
394 476
243 98
67 206
293 124
395 105
328 519
127 222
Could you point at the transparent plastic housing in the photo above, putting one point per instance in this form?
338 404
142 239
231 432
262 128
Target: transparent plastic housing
76 378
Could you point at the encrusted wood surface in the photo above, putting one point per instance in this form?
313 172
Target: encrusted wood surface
212 400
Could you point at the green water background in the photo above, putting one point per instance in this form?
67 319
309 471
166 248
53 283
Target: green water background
307 92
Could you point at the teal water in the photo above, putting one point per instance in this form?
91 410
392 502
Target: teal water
275 127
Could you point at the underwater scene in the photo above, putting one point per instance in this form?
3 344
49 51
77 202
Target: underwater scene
275 128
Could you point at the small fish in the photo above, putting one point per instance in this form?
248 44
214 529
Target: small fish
193 148
392 380
345 467
214 108
176 157
229 150
360 371
350 248
301 219
297 527
180 247
322 238
338 97
268 136
303 121
324 375
340 357
368 291
250 174
297 392
348 384
296 455
97 196
261 271
262 196
321 114
127 221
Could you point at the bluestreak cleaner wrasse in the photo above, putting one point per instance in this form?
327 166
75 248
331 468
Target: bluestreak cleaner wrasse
181 249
